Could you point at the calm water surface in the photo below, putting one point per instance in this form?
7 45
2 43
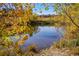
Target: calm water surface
42 37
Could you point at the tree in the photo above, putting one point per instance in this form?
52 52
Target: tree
69 10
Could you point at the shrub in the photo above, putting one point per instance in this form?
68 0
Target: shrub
67 43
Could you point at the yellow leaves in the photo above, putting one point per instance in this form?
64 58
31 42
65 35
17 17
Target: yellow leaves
17 18
17 36
21 41
76 20
22 28
71 28
1 12
19 13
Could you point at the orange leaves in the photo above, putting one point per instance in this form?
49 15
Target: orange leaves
15 21
1 12
22 41
19 13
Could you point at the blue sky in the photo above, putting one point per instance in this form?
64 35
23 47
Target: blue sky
40 7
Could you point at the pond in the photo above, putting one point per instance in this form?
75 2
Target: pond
42 37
